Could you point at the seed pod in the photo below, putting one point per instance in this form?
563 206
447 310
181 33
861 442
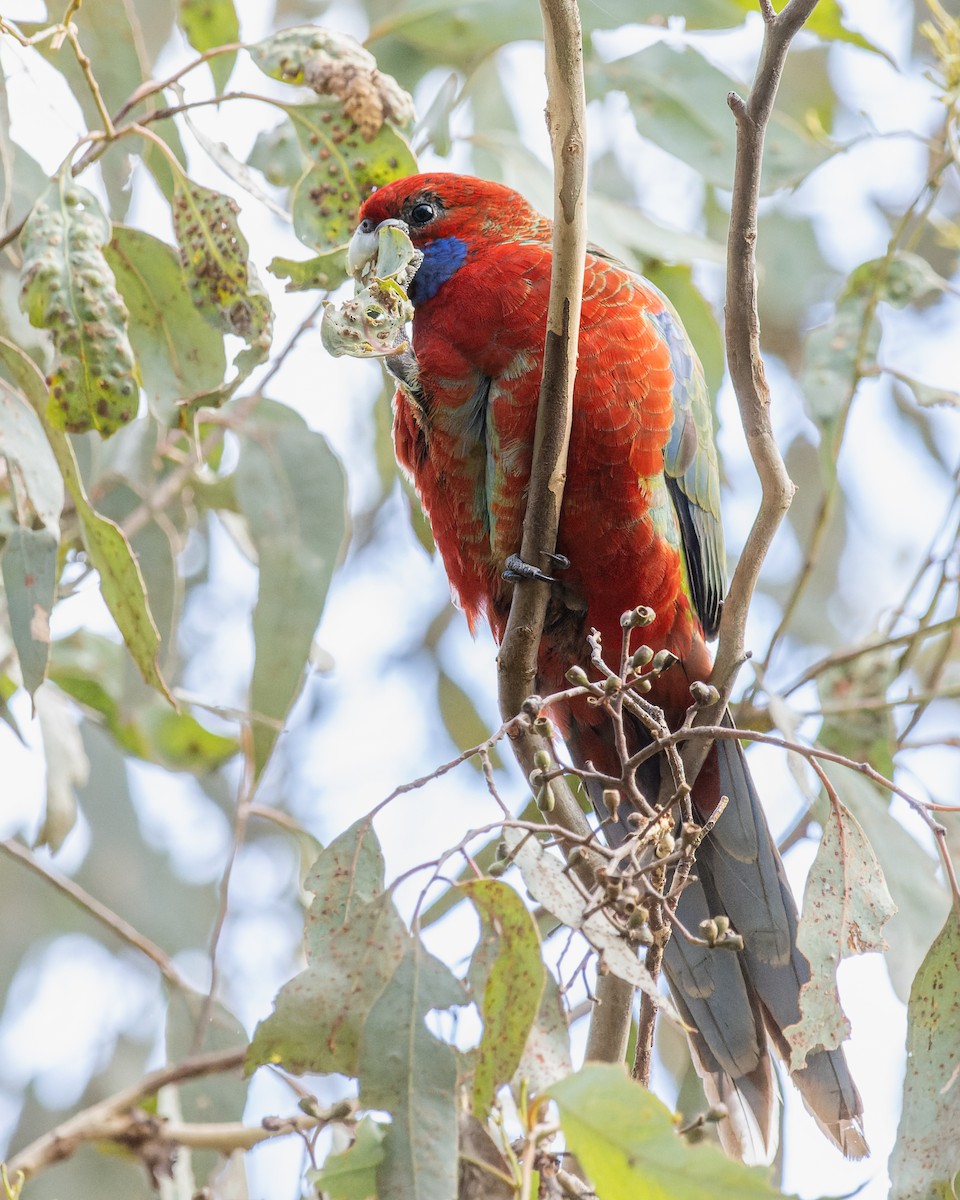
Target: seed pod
532 706
577 676
704 694
546 800
663 660
543 760
641 658
708 931
544 727
612 684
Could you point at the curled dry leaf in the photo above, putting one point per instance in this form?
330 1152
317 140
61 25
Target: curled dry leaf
334 64
372 323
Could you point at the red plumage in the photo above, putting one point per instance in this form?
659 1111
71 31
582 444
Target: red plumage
640 525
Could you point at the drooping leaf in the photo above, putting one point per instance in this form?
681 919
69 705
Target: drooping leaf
27 451
291 491
909 870
404 1069
335 64
276 153
340 169
222 282
211 23
30 573
628 1143
512 987
68 767
121 581
352 1174
546 1056
845 906
179 353
548 882
926 1158
67 287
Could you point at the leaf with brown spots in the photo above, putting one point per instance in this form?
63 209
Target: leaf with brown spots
67 287
845 907
926 1158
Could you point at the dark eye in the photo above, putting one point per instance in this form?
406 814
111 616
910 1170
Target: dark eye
422 213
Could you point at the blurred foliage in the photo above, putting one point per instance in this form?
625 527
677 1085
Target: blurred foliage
177 744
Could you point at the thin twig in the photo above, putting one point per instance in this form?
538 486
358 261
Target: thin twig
90 1124
98 910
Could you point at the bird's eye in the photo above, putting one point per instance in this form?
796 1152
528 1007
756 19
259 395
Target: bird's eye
421 214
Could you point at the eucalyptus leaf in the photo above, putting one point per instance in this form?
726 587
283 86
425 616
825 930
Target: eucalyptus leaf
30 571
291 491
68 288
208 24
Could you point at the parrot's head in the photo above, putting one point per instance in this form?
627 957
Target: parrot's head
449 218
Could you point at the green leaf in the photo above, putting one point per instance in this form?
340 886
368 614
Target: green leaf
352 1174
27 451
68 767
326 271
222 282
845 906
291 490
513 986
319 1015
67 287
340 169
276 153
211 23
404 1069
90 668
460 717
926 1158
30 575
180 355
348 874
548 882
900 280
628 1143
121 581
679 101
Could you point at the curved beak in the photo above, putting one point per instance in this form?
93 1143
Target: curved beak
364 247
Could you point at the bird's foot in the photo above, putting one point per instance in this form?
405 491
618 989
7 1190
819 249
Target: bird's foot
517 569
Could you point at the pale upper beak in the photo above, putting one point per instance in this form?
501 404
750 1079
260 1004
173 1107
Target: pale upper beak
365 246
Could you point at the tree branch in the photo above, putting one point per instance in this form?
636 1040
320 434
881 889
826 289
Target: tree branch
517 661
111 1117
745 363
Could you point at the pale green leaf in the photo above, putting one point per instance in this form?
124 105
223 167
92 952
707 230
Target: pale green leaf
180 354
208 24
27 451
30 574
347 874
352 1174
319 1015
512 987
926 1158
291 491
845 907
405 1070
67 766
548 882
679 101
68 288
910 872
628 1143
546 1056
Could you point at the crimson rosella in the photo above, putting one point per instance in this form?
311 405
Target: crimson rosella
640 524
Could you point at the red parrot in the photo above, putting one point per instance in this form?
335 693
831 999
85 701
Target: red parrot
640 524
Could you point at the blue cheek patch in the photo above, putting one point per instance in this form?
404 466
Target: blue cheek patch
441 259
